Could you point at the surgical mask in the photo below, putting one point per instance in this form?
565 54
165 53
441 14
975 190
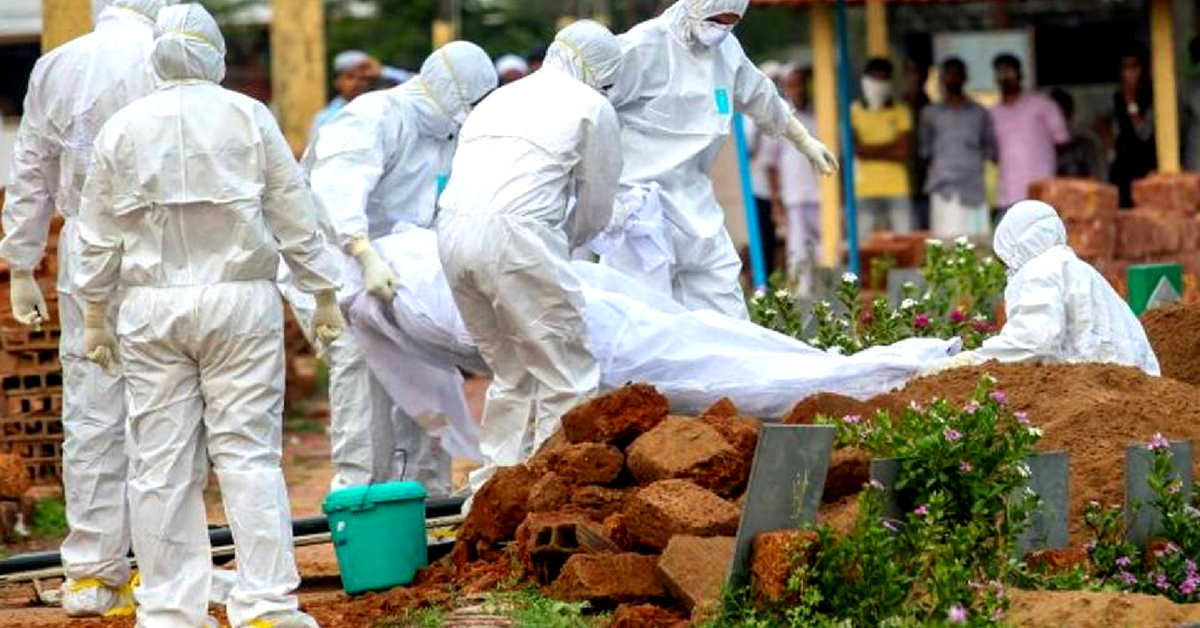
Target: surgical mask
711 34
876 92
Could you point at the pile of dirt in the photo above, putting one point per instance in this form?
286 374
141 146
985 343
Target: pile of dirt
1091 411
1174 332
1096 609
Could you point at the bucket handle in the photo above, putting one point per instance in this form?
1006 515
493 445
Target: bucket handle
362 504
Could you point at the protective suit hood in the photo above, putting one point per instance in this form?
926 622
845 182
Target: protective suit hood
456 76
1029 229
189 45
587 51
685 15
147 9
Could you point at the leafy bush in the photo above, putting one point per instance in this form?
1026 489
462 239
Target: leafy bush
961 290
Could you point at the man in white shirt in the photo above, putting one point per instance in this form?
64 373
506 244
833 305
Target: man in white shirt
794 196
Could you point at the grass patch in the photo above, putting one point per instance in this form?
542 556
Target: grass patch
528 607
432 617
49 519
301 424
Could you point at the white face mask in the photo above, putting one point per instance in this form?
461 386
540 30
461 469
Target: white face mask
876 92
711 34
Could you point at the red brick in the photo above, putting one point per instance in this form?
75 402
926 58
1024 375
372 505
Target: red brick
498 508
683 448
1093 238
775 555
849 469
14 478
616 529
609 578
1172 192
1057 560
723 407
1077 199
550 492
694 570
599 502
588 463
619 416
741 432
648 616
1144 233
546 540
671 507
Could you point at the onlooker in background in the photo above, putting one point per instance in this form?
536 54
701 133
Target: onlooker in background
1028 127
760 145
882 140
1191 114
916 74
794 193
1080 156
354 72
511 68
1133 110
535 57
390 77
955 137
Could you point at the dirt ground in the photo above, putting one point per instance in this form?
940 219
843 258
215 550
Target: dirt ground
308 472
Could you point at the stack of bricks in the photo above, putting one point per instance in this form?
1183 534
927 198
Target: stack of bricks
31 377
1163 227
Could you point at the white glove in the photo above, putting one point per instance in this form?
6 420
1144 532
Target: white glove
378 278
28 304
966 358
327 321
821 157
99 344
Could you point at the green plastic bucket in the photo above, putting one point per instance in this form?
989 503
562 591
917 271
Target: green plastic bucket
378 533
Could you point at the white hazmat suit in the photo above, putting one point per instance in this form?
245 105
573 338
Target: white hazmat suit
1058 308
505 236
381 162
681 80
191 200
73 91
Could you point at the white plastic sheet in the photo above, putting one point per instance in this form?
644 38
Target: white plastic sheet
636 334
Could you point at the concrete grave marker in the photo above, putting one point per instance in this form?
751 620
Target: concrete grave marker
1142 520
786 482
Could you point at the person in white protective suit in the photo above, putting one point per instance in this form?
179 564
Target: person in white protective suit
683 77
380 163
191 199
1058 308
505 235
693 357
73 90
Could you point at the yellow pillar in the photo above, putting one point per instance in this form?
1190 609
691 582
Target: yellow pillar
1166 108
298 66
443 33
64 20
564 21
825 103
877 31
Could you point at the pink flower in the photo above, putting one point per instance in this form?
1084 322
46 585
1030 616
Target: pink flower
981 325
957 315
921 510
957 615
999 397
1090 545
998 614
851 419
1022 418
965 466
889 526
1126 577
1160 581
1158 442
1174 487
951 434
916 407
1188 586
972 407
920 321
1123 561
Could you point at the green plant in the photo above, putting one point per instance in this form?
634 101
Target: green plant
1168 567
528 607
948 560
961 289
433 617
49 519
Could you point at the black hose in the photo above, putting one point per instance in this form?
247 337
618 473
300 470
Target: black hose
222 537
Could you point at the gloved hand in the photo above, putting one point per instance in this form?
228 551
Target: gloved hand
28 304
378 278
966 358
821 157
327 322
99 344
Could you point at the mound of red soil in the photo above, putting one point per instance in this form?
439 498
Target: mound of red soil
1174 333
